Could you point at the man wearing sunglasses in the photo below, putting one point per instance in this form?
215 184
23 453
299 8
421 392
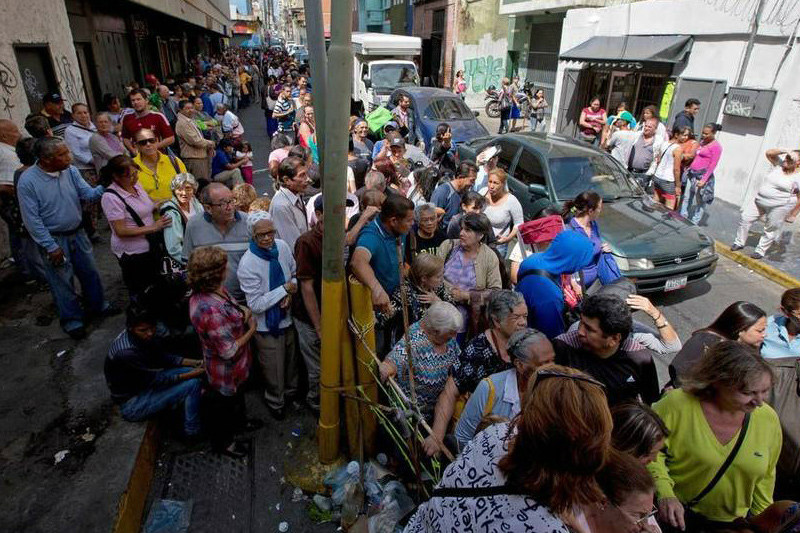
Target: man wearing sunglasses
604 348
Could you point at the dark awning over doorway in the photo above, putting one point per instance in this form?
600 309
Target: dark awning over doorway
632 49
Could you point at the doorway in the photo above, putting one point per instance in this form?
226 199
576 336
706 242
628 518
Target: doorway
84 53
37 74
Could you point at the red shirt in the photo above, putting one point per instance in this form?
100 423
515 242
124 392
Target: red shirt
152 120
219 322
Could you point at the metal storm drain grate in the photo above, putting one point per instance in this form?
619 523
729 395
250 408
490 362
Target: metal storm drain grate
219 487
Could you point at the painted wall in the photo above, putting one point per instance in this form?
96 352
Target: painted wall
720 41
52 30
482 48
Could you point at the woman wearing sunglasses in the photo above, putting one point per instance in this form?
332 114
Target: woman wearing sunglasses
156 168
532 473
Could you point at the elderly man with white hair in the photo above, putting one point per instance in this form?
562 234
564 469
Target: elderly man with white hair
500 395
267 275
231 125
435 351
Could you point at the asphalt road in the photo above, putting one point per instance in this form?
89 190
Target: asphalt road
699 304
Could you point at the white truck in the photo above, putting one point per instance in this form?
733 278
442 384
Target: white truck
381 64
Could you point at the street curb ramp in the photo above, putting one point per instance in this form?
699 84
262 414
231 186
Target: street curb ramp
130 508
765 270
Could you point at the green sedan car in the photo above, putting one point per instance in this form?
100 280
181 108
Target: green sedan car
656 248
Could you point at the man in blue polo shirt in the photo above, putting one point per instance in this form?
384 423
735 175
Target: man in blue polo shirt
375 260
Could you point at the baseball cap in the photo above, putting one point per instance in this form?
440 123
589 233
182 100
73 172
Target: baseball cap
397 141
391 124
53 98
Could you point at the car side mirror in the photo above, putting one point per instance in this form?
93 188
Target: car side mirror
537 189
367 82
476 113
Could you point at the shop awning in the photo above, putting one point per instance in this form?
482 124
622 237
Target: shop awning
632 49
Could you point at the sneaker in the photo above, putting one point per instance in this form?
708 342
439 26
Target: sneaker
736 247
756 255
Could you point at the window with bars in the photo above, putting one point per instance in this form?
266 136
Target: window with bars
438 21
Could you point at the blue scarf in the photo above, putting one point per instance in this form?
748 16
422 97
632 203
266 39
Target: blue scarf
274 314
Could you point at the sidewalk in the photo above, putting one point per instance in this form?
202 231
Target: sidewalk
721 222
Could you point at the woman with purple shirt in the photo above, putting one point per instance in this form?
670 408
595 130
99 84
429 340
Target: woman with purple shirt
698 189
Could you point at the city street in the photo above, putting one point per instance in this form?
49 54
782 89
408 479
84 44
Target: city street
55 393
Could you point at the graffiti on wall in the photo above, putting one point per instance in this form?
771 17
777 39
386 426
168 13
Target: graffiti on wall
482 72
8 82
71 84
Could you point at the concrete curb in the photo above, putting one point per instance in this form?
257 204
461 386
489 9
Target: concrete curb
769 272
130 508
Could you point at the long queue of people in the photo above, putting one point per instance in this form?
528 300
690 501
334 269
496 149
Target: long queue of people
528 362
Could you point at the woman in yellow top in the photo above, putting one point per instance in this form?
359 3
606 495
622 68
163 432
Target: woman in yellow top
726 388
156 169
244 79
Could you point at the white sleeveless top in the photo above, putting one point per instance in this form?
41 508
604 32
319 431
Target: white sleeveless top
665 166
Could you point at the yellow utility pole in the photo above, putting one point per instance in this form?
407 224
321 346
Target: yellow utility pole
335 309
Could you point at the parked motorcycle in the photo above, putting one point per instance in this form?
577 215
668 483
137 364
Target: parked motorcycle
492 98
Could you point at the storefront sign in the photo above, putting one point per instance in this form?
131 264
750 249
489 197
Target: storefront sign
749 103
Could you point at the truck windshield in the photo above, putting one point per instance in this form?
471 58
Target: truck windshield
391 76
601 174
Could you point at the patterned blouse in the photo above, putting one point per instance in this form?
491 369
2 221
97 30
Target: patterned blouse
219 322
476 466
431 368
416 309
478 361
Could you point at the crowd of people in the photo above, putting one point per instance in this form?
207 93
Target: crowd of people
528 363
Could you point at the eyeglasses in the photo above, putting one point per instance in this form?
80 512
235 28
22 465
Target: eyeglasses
641 521
264 234
223 203
144 142
541 375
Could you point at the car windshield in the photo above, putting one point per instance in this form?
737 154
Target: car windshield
391 76
448 109
573 175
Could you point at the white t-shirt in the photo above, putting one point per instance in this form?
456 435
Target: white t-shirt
504 216
778 188
9 163
621 142
664 170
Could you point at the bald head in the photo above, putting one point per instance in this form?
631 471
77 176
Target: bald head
9 132
163 91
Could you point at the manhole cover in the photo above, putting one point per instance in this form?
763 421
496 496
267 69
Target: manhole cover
219 486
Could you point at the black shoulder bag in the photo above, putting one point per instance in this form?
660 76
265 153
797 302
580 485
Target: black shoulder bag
696 521
168 266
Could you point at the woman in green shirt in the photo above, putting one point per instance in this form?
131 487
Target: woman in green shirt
722 396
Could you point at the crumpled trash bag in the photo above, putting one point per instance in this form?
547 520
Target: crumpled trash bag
169 516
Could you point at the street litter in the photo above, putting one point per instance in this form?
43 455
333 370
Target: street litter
60 456
62 352
88 436
283 527
169 516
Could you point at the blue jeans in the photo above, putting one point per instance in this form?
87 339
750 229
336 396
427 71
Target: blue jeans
692 205
504 115
163 395
78 261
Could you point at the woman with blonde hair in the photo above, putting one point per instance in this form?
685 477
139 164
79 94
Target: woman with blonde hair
723 442
503 210
423 287
536 470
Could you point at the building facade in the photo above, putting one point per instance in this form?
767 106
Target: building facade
743 74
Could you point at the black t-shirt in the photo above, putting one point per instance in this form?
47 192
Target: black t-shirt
417 244
627 374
